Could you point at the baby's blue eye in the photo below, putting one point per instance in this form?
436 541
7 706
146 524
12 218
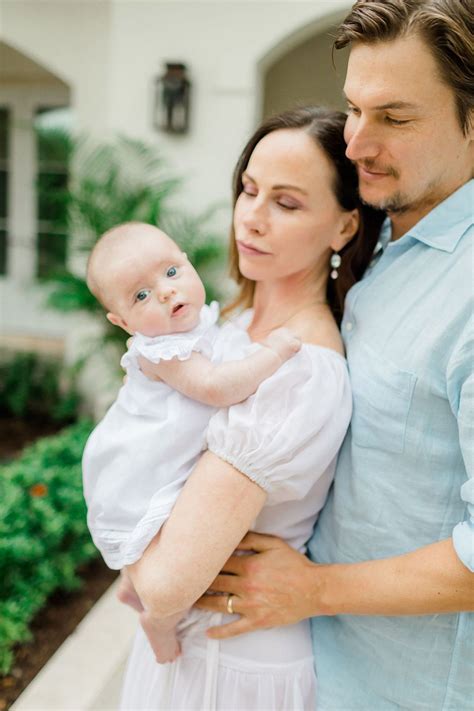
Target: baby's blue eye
172 271
141 295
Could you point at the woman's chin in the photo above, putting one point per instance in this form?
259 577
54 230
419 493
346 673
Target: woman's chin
252 271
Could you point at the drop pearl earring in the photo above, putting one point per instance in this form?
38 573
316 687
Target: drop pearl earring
335 264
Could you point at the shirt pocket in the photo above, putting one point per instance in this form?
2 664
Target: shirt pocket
382 395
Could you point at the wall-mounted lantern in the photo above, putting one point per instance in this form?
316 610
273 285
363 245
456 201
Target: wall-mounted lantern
171 103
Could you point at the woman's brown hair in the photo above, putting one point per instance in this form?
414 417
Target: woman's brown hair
326 127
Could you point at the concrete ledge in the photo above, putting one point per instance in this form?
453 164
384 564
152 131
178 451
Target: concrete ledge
85 672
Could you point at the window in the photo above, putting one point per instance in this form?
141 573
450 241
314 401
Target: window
4 152
53 151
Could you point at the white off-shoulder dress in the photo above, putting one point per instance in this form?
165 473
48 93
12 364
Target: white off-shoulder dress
138 457
285 438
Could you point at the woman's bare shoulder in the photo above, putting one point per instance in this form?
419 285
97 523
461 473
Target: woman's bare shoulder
317 329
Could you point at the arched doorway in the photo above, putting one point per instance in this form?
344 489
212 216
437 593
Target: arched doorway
300 69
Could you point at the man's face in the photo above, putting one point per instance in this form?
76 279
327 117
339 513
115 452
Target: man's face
403 132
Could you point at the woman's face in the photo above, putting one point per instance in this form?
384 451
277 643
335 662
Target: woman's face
287 218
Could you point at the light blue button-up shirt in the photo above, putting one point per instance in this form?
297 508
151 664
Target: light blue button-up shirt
405 472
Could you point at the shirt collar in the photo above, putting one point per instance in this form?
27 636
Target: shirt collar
385 235
443 227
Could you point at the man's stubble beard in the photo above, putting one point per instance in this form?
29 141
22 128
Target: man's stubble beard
396 204
400 203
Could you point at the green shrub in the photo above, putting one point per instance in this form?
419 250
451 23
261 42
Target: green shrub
43 532
30 386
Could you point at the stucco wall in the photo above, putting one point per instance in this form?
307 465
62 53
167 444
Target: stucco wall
108 52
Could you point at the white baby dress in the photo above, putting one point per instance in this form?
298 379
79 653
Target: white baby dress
138 457
285 437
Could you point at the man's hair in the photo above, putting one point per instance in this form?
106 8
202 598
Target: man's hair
446 27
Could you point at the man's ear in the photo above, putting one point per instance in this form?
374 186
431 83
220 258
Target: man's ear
349 226
118 321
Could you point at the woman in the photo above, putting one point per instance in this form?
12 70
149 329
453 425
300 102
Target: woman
300 239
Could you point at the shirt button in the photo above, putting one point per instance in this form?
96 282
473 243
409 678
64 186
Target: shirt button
349 326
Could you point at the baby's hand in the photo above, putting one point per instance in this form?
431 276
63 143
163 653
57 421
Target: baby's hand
283 342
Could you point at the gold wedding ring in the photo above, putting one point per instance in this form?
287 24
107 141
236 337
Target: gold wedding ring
230 604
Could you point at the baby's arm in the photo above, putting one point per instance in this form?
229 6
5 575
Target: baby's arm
228 383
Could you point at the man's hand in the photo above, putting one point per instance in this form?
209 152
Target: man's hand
279 586
274 587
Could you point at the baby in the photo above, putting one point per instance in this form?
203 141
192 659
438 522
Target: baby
138 458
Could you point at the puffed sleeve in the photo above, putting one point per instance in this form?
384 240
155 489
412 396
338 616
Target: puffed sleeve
288 433
460 385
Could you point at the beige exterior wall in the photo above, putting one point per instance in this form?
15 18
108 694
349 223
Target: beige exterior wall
109 51
106 54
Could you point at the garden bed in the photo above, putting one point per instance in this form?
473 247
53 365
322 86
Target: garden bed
64 609
51 626
45 549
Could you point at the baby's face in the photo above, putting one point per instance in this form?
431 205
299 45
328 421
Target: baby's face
155 290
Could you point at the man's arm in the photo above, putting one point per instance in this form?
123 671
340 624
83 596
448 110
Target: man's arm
228 383
280 586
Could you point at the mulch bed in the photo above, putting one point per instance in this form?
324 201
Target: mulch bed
64 610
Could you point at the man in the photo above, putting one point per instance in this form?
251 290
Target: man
394 545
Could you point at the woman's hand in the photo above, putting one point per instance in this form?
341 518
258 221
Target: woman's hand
275 586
